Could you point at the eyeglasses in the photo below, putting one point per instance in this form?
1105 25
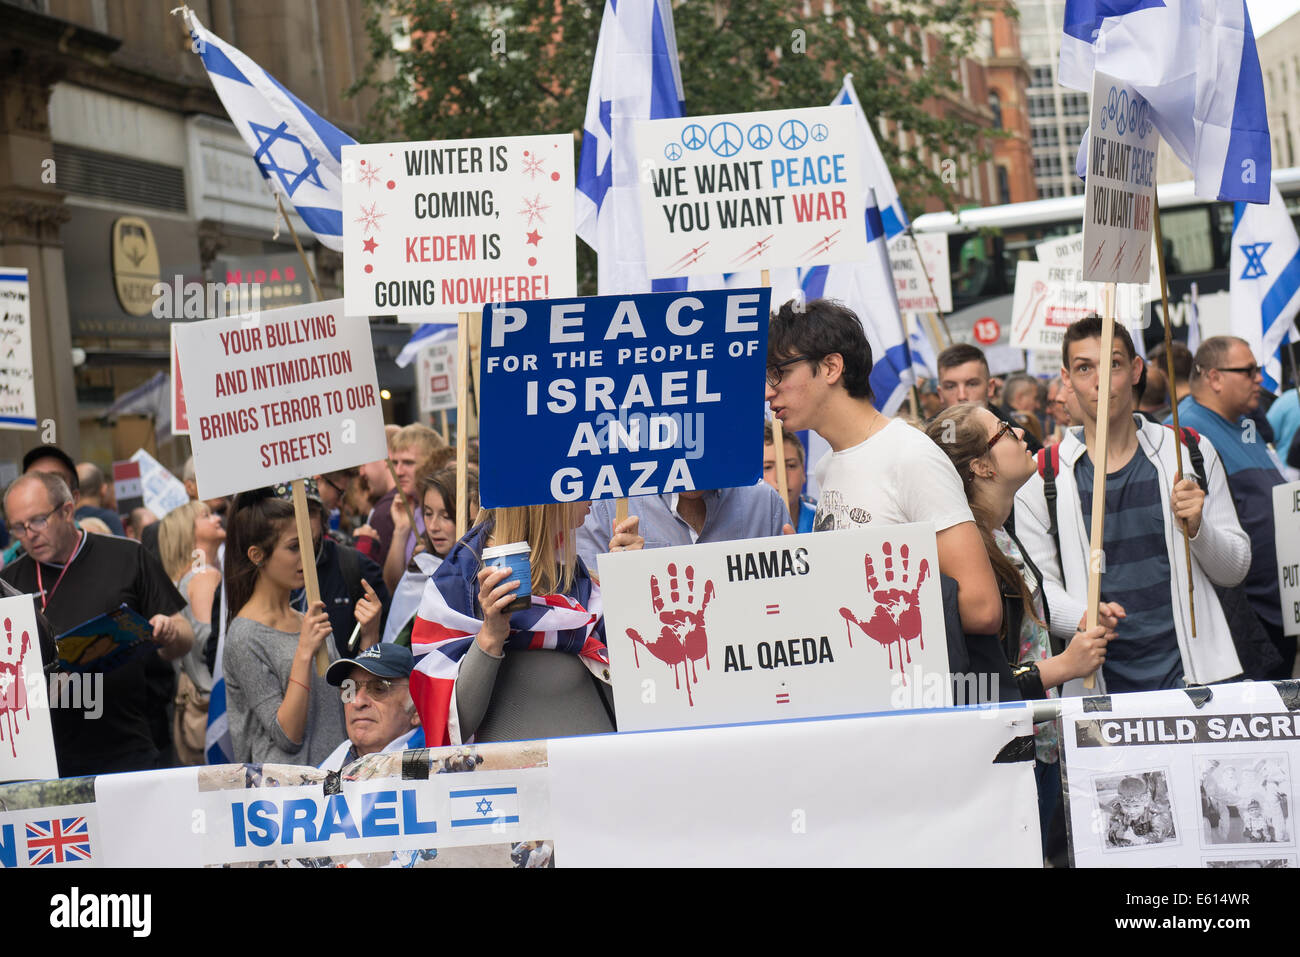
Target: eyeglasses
37 524
335 486
776 371
1251 370
376 688
1006 427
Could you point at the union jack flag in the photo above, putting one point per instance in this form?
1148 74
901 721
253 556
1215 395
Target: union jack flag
446 624
59 841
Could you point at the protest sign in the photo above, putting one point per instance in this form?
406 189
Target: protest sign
1286 535
437 228
910 269
1184 778
26 735
1049 298
1068 251
751 191
17 385
616 396
180 415
127 489
435 372
162 491
290 393
1119 195
782 627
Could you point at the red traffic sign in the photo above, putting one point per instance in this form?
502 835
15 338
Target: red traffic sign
987 331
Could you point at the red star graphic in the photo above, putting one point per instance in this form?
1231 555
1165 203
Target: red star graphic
534 237
369 245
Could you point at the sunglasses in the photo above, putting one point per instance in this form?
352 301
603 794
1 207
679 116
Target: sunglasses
375 688
1250 370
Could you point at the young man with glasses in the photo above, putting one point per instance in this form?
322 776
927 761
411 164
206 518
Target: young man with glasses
378 712
1144 568
1226 383
881 471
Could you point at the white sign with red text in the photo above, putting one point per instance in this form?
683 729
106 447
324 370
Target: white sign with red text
436 376
786 627
915 292
278 396
438 228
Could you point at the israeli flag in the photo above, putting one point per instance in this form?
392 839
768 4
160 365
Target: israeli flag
482 807
1196 63
925 354
635 77
217 741
426 335
1264 281
298 152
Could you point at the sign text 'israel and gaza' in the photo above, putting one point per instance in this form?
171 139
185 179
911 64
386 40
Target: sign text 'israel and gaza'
613 396
444 227
722 194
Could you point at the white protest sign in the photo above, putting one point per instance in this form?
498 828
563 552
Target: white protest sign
435 376
26 735
180 415
782 627
910 278
1184 778
1286 529
1049 298
450 226
17 385
162 491
1120 192
280 396
751 191
1068 251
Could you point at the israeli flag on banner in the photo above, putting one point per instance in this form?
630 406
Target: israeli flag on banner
426 335
635 77
298 152
1264 281
483 807
1196 63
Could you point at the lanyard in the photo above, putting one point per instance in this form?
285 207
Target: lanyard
45 597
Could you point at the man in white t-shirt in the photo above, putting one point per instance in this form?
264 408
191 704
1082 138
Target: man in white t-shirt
881 470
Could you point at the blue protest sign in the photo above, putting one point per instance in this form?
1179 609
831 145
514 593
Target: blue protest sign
613 396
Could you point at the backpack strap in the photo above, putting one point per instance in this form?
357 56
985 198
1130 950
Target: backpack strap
1049 463
1192 439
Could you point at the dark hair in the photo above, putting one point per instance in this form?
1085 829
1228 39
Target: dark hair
959 355
967 442
444 483
256 520
1182 360
821 328
1213 351
1090 327
769 439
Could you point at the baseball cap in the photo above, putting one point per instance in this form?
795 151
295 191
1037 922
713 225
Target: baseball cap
385 660
284 490
51 452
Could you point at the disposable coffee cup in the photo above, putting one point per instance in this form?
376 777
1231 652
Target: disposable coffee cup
514 556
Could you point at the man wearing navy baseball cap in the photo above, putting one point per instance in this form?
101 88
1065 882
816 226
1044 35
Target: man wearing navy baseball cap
378 712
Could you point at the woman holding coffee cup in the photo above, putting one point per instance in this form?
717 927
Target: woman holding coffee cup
535 665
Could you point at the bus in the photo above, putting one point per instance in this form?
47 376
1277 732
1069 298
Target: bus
985 244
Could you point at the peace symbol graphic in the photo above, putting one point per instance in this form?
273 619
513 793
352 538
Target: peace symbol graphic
819 132
693 136
1133 115
760 136
1144 120
725 138
793 134
1112 101
1121 113
672 152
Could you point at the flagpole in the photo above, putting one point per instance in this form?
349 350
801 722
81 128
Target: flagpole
947 333
294 233
1169 365
462 414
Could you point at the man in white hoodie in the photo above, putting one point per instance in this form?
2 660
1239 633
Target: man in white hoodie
1144 568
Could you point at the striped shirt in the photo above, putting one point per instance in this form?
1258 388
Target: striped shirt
1144 656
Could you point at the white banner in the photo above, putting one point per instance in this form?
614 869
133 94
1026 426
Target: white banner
910 276
1049 298
1171 779
435 376
279 396
162 491
61 836
26 735
17 385
1068 251
1286 538
742 191
437 228
785 627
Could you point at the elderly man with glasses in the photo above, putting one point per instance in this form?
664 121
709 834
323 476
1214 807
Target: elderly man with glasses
378 712
1226 386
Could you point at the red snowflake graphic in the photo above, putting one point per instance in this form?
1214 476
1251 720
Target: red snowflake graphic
370 175
533 209
369 218
533 167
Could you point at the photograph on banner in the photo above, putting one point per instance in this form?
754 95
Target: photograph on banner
180 415
435 376
26 734
448 226
17 382
910 269
619 396
1049 298
162 491
792 626
1286 532
741 191
1182 778
1119 193
289 393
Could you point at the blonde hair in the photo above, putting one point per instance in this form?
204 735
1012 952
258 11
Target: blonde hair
96 525
551 536
176 539
417 436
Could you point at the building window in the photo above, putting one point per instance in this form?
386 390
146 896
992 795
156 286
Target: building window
1004 186
1041 76
995 104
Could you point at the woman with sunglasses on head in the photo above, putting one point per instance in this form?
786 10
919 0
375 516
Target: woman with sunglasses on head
993 461
280 710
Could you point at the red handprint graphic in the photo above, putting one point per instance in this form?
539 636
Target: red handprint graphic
13 689
897 619
682 638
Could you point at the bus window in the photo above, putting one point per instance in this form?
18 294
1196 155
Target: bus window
1189 247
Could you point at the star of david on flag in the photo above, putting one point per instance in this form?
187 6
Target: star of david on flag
483 807
1264 283
297 152
1254 253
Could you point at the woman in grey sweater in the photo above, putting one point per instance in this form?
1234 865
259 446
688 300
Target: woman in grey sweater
280 710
